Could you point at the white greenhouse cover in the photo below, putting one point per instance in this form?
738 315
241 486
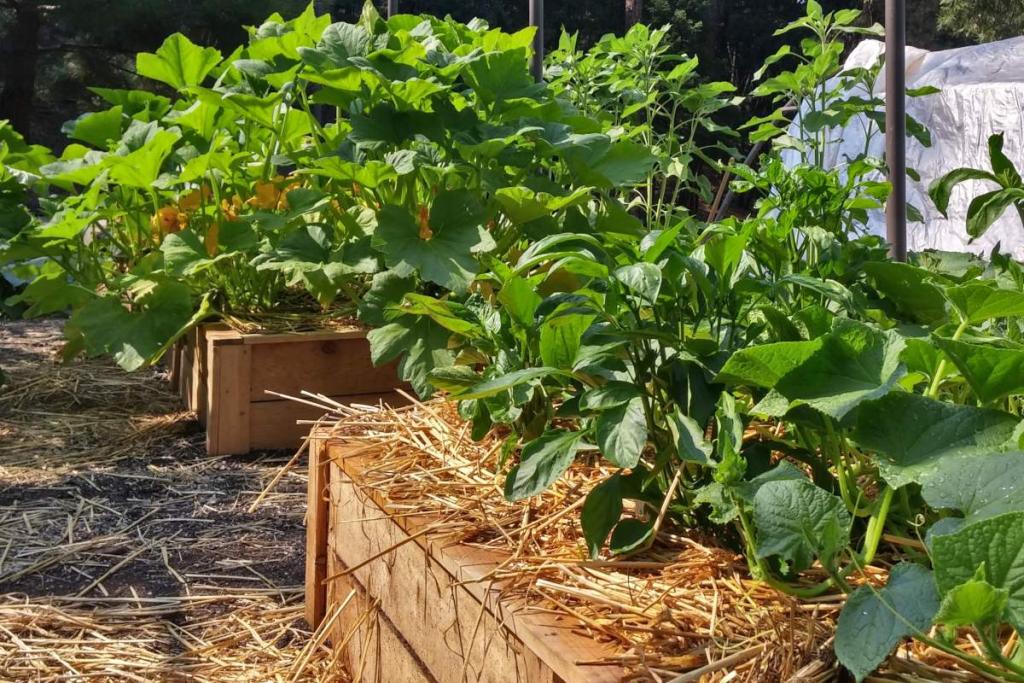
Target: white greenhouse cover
982 93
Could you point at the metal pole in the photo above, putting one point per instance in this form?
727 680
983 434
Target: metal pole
392 8
896 126
537 20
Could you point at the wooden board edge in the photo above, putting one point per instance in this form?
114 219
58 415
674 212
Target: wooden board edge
546 636
317 529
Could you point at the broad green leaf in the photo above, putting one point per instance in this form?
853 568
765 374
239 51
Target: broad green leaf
856 363
141 168
507 381
798 522
520 299
542 462
998 543
450 315
986 209
601 512
977 485
135 337
912 434
643 279
455 379
98 128
992 372
386 291
423 345
691 445
621 433
444 250
764 365
874 621
977 303
609 395
630 535
908 287
942 189
974 602
560 338
522 205
179 62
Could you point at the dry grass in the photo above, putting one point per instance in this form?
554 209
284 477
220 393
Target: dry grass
126 554
684 610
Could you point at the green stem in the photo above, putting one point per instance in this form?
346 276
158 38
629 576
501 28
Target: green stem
940 369
876 525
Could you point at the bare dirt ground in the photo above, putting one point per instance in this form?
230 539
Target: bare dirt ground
127 553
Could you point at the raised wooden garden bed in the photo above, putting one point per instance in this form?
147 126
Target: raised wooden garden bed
224 376
424 611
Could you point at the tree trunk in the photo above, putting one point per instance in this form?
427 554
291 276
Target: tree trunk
634 12
18 61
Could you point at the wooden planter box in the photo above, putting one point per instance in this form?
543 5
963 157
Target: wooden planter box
420 613
224 377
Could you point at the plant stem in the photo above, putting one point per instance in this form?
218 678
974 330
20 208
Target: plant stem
940 369
876 525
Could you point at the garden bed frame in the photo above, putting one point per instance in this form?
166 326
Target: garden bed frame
224 376
404 608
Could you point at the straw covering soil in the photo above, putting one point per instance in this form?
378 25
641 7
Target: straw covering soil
685 610
127 554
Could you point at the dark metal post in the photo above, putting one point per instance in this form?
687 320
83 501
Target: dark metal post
392 8
896 126
537 20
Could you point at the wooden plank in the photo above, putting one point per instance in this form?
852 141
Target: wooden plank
346 333
445 624
228 422
374 649
332 367
272 424
552 639
317 525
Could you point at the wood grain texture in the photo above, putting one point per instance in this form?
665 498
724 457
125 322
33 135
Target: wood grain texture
435 595
332 367
228 387
335 364
317 525
374 651
273 424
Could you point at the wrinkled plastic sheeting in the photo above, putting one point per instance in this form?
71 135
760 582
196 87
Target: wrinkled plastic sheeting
982 93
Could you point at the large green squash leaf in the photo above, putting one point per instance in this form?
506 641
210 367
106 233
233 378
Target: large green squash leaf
445 256
998 543
424 344
874 621
139 336
912 434
179 62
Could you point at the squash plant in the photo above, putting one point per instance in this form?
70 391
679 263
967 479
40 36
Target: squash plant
231 198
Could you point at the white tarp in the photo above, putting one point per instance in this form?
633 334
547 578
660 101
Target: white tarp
982 93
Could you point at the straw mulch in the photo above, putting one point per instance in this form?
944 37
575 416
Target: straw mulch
684 611
127 554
